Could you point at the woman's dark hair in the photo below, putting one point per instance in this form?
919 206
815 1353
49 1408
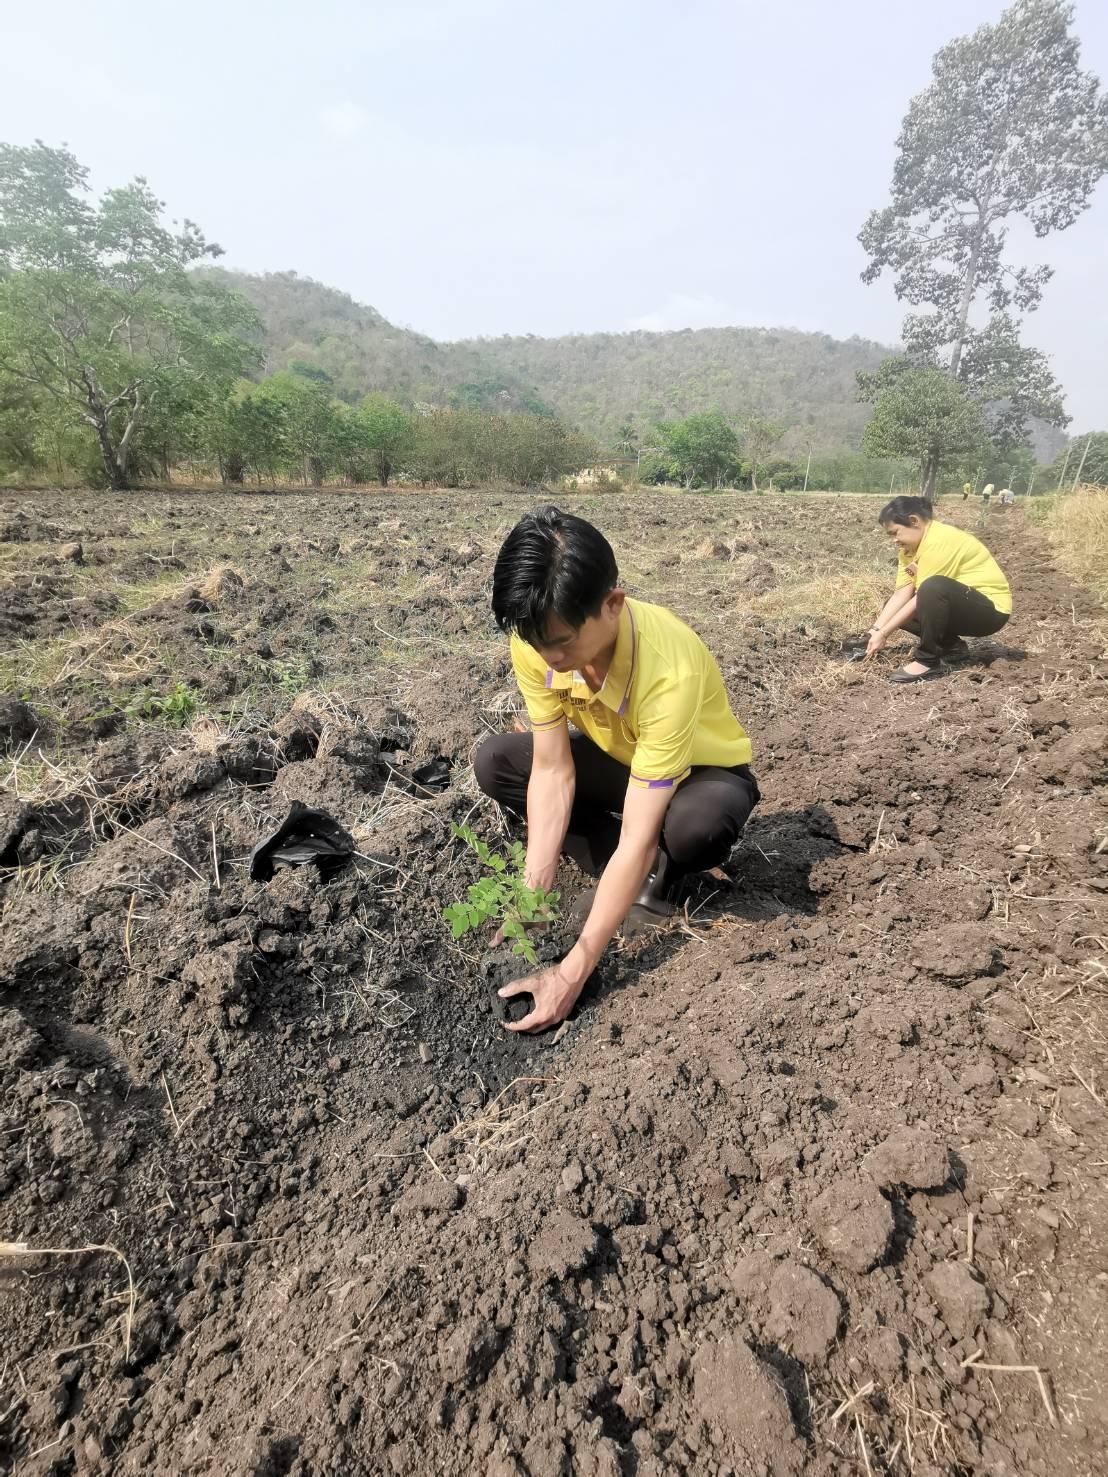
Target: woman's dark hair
902 508
551 564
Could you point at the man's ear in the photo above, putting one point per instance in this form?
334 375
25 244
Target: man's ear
613 604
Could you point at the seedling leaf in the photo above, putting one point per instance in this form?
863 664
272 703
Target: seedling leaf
502 896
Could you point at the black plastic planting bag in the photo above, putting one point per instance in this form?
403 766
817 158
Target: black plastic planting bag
431 779
434 776
853 649
303 836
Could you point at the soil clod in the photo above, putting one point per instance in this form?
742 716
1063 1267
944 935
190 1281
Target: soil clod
911 1157
854 1224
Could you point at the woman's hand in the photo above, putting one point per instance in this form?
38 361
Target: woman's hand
876 641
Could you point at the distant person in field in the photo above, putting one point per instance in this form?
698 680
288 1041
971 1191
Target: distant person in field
948 587
987 494
967 488
1006 497
654 781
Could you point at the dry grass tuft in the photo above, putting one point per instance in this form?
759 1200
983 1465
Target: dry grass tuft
714 548
1077 525
45 875
835 602
221 583
336 719
505 1122
35 779
207 734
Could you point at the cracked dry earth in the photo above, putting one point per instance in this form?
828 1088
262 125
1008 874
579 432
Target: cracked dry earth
808 1182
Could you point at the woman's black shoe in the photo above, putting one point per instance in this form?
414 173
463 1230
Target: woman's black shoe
656 893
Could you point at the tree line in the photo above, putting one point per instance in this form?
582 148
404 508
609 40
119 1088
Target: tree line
709 449
119 363
290 426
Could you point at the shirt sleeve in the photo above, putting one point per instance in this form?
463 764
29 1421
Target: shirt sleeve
543 708
903 559
668 717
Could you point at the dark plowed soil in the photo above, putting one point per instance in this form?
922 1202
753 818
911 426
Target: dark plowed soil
805 1178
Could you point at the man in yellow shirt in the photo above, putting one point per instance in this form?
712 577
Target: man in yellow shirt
654 783
948 586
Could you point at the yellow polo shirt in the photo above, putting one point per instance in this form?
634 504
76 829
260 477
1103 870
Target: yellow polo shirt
952 551
662 709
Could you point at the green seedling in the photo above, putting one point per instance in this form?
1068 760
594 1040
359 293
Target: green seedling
177 708
501 897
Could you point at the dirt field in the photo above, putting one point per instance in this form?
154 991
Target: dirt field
809 1180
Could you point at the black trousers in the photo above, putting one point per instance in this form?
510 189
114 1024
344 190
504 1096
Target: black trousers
704 820
946 611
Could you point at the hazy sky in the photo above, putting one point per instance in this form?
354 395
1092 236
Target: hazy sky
490 166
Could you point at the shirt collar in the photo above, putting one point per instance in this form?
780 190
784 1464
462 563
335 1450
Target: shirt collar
616 691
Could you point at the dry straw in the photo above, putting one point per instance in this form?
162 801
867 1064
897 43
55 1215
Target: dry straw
21 1248
976 1362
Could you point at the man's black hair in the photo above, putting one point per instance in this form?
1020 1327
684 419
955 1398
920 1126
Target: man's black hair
551 564
904 507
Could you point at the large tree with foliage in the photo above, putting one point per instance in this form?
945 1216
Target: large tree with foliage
923 414
703 448
1010 128
99 315
303 407
386 433
247 433
1010 381
760 436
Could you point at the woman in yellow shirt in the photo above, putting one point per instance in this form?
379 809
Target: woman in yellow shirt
948 586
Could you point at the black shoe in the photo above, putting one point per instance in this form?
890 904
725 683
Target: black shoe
903 678
657 891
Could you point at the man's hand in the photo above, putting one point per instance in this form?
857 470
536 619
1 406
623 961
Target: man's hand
555 991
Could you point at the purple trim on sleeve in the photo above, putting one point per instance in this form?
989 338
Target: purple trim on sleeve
549 677
667 784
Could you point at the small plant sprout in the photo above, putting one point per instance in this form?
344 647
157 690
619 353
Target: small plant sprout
501 897
177 708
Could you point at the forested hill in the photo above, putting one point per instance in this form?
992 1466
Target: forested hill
807 381
597 381
359 349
